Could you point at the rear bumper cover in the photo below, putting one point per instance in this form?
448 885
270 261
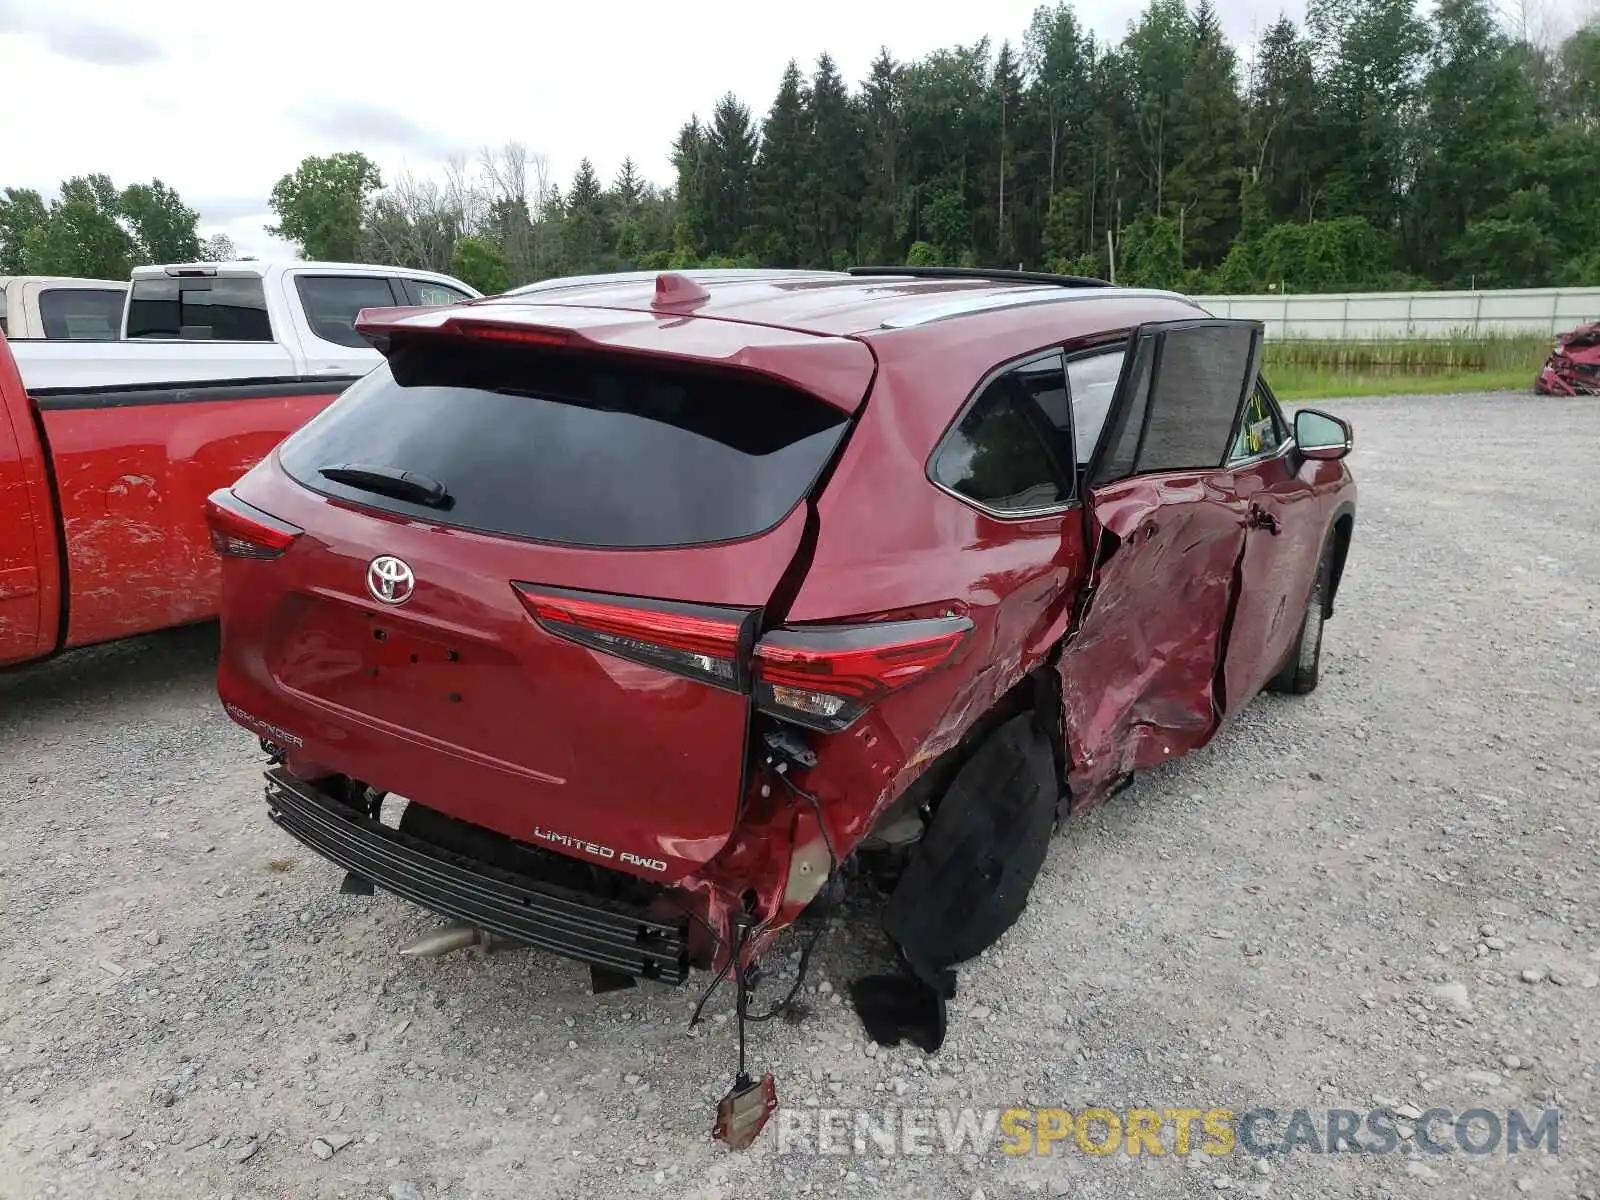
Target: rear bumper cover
560 920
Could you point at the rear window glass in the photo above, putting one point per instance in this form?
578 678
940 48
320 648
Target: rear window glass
222 308
331 303
80 314
573 449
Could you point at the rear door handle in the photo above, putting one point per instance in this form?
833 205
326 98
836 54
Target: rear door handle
1260 518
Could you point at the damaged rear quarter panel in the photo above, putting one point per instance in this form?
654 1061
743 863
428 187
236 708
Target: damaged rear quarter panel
922 552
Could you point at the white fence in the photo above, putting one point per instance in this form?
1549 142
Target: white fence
1372 315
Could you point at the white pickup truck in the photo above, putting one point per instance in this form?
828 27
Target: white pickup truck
234 324
60 308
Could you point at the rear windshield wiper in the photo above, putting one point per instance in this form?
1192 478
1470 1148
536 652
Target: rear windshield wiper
391 481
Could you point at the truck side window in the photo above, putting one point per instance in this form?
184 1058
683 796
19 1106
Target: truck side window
81 314
331 303
429 292
222 308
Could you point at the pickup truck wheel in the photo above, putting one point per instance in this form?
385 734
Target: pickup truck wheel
967 880
1299 673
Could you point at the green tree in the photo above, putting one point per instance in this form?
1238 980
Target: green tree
780 174
478 262
1479 110
1281 122
21 210
882 226
82 235
1209 130
589 233
628 190
1369 55
1159 52
218 247
731 160
835 169
691 159
1150 255
322 204
164 228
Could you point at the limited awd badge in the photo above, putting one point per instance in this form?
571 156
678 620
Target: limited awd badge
390 580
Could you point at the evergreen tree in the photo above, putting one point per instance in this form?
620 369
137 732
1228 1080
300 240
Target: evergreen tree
691 159
1204 186
730 166
834 168
781 229
883 223
1281 122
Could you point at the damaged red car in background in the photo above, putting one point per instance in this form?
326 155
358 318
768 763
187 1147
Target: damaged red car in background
1573 368
666 603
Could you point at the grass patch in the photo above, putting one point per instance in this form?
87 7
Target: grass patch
1313 370
1291 385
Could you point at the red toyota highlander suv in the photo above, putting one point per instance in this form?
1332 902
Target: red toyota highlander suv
665 602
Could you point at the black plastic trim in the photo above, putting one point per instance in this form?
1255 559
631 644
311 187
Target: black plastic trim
981 273
123 396
569 923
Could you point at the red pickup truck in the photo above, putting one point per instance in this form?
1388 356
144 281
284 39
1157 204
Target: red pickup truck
102 496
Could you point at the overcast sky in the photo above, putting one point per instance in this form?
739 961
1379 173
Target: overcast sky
219 98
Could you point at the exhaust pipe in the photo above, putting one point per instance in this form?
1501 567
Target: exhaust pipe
444 940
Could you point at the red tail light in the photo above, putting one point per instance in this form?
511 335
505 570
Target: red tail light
824 678
695 640
240 531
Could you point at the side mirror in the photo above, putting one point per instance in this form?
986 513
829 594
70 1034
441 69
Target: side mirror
1321 436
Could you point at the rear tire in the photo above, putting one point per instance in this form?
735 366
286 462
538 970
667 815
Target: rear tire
1299 673
967 880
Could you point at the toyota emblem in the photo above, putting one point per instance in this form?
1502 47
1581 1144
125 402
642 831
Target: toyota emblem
389 580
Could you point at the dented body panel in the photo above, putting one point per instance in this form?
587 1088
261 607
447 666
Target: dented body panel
1140 672
103 533
1573 368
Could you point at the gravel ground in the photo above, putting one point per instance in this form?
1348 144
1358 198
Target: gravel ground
1382 894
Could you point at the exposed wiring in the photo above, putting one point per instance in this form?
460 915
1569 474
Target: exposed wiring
822 916
711 989
799 979
746 933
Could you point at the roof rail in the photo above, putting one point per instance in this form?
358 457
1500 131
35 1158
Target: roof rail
983 273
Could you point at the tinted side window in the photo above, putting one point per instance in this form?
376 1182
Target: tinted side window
996 455
1185 394
1195 397
429 292
1094 382
331 303
1123 447
3 310
222 308
80 314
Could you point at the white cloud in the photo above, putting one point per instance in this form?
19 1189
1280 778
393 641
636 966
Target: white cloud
219 98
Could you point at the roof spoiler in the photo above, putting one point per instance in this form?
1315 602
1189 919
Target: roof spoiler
834 369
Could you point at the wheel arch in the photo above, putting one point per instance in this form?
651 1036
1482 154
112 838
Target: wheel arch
1337 540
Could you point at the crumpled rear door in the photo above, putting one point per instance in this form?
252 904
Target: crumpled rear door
1140 671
